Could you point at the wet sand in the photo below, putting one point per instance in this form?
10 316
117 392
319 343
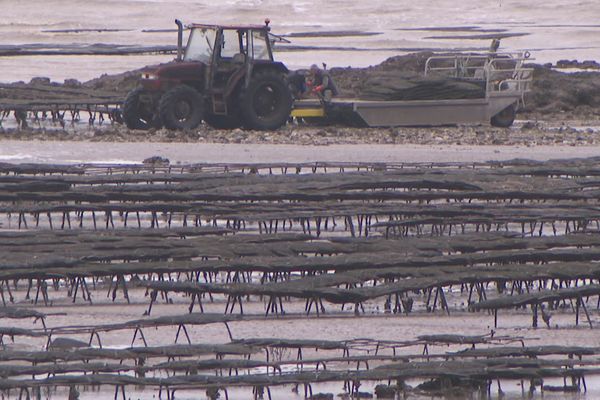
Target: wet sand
110 152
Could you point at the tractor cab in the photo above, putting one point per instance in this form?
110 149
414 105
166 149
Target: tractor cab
232 43
225 75
229 54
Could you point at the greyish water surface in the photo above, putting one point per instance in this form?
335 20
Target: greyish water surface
552 29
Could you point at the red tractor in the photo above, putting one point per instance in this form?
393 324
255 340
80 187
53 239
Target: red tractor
225 76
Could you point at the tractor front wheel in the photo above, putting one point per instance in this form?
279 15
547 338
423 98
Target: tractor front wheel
267 101
138 110
181 108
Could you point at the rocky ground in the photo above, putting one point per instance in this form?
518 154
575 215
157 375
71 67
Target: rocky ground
529 133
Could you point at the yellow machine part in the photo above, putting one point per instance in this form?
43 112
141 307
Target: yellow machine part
308 112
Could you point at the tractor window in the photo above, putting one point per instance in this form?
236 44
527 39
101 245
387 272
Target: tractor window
200 45
260 50
230 44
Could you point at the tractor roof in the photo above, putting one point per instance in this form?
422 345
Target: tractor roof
212 26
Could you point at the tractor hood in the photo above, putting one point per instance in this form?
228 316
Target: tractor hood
179 71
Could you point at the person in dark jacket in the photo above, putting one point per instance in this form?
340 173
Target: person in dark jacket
320 83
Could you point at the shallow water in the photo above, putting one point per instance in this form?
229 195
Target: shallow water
331 326
555 29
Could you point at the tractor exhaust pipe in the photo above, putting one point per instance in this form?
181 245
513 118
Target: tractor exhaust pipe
179 40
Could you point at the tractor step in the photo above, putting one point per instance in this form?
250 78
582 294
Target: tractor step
219 104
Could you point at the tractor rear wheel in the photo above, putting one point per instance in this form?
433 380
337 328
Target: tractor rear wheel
504 118
137 113
267 101
181 108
